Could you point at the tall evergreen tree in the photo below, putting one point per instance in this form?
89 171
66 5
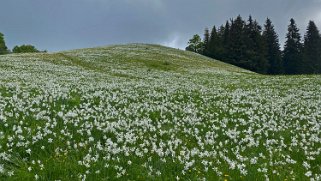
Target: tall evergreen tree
292 54
312 49
249 34
221 52
249 38
236 44
214 44
3 47
255 48
206 42
273 52
226 40
260 61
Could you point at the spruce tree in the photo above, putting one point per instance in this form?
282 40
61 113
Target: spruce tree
220 43
226 41
236 45
250 53
292 54
255 59
260 61
248 34
312 50
214 43
273 52
206 42
3 47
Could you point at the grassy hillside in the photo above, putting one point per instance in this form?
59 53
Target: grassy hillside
147 112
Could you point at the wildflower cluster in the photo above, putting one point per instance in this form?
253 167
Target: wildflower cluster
102 113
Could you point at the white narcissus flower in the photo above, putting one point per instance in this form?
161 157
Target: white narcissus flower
308 174
2 170
200 118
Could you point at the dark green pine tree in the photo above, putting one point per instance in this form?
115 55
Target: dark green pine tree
206 42
225 38
312 50
255 58
236 44
3 47
249 37
220 43
260 61
273 52
214 44
292 54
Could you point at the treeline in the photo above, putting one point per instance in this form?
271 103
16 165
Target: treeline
17 49
249 45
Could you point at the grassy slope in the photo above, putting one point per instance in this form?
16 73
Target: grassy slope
150 112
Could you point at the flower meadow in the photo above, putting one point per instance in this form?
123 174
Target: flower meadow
147 112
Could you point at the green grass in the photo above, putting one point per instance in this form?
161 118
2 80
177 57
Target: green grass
148 112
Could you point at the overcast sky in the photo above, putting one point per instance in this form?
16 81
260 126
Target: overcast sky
68 24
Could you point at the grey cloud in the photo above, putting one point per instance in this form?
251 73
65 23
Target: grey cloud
68 24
